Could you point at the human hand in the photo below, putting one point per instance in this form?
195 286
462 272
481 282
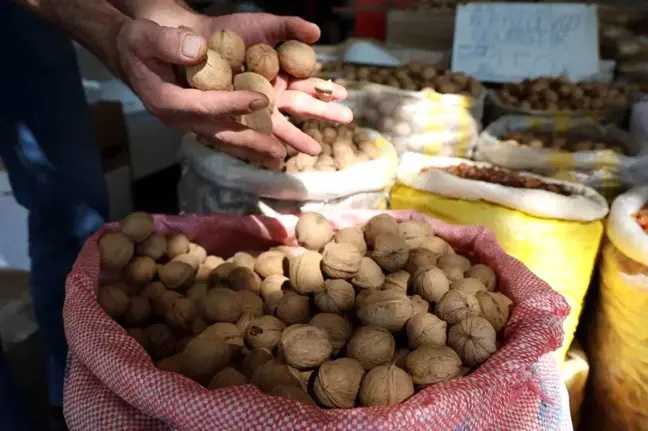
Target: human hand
148 53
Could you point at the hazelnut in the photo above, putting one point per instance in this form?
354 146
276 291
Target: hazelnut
297 59
339 330
474 340
385 385
221 305
305 273
432 284
273 262
425 329
338 382
226 378
264 332
213 73
338 297
484 274
137 226
370 276
371 346
262 59
230 46
457 305
313 231
387 309
390 251
380 224
155 246
433 364
305 346
341 260
116 250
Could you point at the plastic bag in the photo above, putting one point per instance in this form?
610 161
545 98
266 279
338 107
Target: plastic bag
555 236
618 350
605 171
113 384
216 182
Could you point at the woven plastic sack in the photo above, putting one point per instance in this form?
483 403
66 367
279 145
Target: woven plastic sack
605 171
216 182
423 121
557 237
618 351
112 383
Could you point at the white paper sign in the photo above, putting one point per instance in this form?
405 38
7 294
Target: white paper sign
507 42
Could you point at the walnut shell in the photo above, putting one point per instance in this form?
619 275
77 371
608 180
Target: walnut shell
454 266
397 281
226 378
419 305
251 303
293 308
390 252
370 276
338 297
137 226
494 307
213 73
474 340
165 302
313 231
414 232
382 223
291 392
242 258
182 313
338 382
113 300
274 284
161 340
468 285
297 59
140 270
220 274
338 329
305 346
221 305
205 269
371 346
189 259
341 260
177 245
433 364
420 259
432 284
273 262
116 250
254 359
198 252
457 305
385 385
305 273
242 278
203 357
155 247
272 374
400 358
484 274
197 292
426 329
230 46
228 332
264 332
262 59
437 246
387 309
351 235
245 320
176 275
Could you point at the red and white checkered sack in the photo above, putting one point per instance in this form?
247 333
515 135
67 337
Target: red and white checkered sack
112 383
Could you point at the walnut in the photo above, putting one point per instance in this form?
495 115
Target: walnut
175 275
433 364
457 305
197 292
273 262
397 281
251 303
155 247
189 259
293 308
291 392
454 266
400 357
243 278
494 307
419 305
113 300
371 346
437 246
153 291
116 250
426 329
182 313
220 274
370 275
245 320
165 302
203 357
228 332
274 284
474 340
338 329
351 235
484 274
390 251
161 340
305 346
338 297
468 285
198 325
388 309
414 232
177 245
385 385
226 378
420 259
198 252
244 259
313 231
264 332
382 223
305 273
338 382
140 270
341 260
254 359
304 377
221 305
137 226
432 284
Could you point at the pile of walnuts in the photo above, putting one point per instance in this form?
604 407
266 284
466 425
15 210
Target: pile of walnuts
415 77
363 316
567 142
559 94
342 145
499 176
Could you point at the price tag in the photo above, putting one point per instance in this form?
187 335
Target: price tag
508 42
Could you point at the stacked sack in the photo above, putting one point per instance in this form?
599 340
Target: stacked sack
617 349
553 227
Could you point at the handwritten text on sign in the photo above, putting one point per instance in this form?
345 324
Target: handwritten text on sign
507 42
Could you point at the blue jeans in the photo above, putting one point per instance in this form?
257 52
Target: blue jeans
47 146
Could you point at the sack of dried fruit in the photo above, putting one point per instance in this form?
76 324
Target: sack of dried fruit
553 227
605 158
354 171
422 324
617 349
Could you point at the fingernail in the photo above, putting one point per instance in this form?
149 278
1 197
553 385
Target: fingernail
191 46
258 104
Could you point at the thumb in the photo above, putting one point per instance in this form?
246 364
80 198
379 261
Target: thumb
181 46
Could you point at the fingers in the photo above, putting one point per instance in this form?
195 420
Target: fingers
173 45
275 28
308 86
302 105
291 135
251 156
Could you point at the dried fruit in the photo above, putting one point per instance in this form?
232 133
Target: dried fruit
426 329
432 364
140 270
177 245
251 303
242 278
177 274
371 346
203 357
468 285
457 305
229 333
397 281
254 359
272 374
387 309
182 313
305 346
414 232
419 305
293 308
242 258
420 259
113 300
454 266
474 340
341 260
437 246
494 307
155 246
338 382
324 90
385 385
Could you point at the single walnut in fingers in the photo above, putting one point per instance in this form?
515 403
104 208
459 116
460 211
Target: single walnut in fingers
230 46
262 59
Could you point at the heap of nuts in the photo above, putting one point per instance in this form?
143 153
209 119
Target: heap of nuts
559 94
228 55
641 217
362 316
567 142
342 145
415 77
499 176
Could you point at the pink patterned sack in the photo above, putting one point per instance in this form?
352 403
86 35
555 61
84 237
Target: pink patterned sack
112 383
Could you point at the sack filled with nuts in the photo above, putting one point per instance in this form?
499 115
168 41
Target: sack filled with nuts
559 97
605 158
225 322
575 371
419 108
617 348
354 171
553 227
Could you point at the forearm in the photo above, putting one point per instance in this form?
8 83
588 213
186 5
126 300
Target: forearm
164 12
93 23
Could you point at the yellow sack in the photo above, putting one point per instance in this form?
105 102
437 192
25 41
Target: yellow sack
618 343
555 236
575 371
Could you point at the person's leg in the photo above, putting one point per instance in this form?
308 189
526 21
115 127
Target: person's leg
53 163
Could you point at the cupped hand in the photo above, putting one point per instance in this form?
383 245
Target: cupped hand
148 54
